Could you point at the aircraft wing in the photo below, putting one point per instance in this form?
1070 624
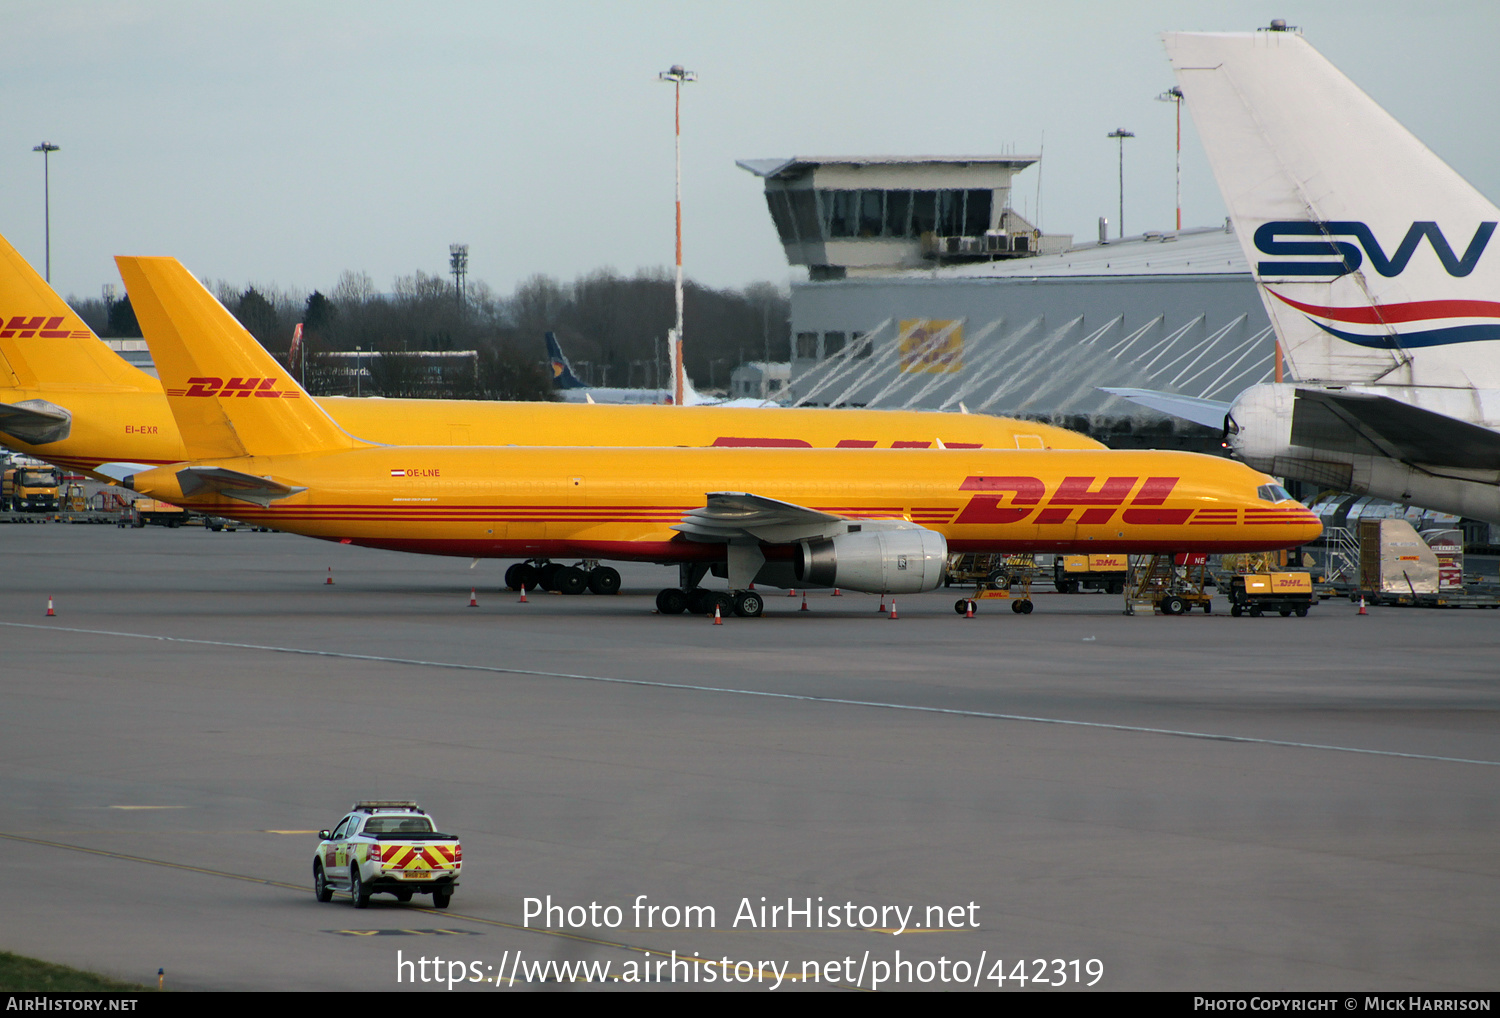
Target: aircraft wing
233 484
1207 412
1355 421
35 421
730 515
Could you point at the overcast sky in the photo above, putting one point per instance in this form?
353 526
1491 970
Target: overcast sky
281 143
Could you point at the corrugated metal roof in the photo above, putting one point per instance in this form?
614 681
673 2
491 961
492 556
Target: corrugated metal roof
1201 251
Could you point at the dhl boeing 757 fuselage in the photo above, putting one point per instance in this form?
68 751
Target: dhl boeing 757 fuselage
623 503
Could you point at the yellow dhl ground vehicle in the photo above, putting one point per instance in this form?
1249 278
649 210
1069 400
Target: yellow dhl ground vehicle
30 488
1072 573
151 511
387 846
1257 593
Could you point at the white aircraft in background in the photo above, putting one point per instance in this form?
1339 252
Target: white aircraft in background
1373 258
574 390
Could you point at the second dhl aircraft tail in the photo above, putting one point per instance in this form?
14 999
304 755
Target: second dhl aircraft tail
272 415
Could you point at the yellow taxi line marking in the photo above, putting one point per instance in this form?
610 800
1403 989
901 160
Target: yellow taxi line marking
105 853
441 913
767 694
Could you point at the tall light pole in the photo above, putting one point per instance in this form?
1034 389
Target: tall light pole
1121 134
46 148
676 75
1173 95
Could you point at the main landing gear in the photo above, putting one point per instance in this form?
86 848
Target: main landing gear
747 604
544 575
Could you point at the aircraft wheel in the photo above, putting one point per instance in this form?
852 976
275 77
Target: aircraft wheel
671 601
748 604
604 580
700 601
513 575
546 574
570 580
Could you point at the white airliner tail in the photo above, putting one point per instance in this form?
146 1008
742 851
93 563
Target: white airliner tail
1376 260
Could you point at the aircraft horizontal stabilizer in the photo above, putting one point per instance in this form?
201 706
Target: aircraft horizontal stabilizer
35 421
233 484
1207 412
1354 421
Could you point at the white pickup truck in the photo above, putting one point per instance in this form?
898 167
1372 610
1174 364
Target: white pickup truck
387 846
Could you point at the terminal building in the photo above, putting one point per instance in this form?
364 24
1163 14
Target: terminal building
926 289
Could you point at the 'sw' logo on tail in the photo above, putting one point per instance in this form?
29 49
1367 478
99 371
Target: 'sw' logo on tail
1349 256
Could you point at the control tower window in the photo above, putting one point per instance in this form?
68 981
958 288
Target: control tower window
807 345
923 212
862 344
871 212
833 342
781 215
804 206
842 209
977 212
898 214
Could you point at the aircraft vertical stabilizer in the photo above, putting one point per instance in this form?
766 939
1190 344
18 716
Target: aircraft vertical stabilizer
44 342
230 397
1377 261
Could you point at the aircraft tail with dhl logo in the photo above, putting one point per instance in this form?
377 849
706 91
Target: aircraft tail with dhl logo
230 397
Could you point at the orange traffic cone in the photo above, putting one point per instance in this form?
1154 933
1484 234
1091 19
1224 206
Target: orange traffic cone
836 593
329 582
473 599
523 594
718 619
969 613
804 601
50 612
893 607
791 592
881 609
1361 606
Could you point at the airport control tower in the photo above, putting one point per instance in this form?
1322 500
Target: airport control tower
849 215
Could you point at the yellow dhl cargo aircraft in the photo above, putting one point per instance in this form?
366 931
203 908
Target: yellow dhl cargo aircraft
874 520
67 398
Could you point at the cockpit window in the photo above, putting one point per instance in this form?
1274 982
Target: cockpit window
1272 493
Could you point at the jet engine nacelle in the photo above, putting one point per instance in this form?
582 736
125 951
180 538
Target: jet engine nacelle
905 561
1259 425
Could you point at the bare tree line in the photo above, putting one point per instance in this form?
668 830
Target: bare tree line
613 328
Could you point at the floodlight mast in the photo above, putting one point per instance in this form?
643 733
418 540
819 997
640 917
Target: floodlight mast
1121 134
676 75
46 148
1173 95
